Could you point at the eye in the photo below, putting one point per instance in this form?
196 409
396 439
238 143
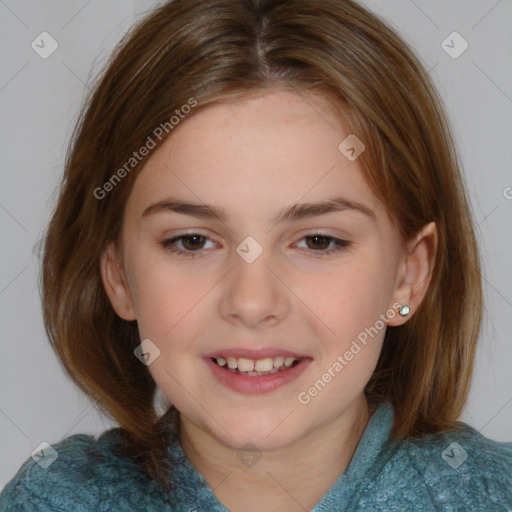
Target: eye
321 242
191 243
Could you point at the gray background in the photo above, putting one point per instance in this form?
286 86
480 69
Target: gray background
39 102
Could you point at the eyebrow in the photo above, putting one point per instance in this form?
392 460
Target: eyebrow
290 214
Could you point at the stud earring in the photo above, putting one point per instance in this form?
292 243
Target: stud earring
404 310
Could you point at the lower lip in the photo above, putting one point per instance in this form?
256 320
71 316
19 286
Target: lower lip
256 384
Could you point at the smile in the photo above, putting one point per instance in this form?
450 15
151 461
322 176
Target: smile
267 366
255 376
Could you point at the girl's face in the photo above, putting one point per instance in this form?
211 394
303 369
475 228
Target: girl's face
253 281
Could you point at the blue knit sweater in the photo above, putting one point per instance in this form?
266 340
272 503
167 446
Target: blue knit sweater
450 471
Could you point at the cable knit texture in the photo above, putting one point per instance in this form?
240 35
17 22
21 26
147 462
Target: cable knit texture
450 471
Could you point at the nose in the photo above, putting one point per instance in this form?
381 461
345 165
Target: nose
254 294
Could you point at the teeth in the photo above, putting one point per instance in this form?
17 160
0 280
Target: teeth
263 365
278 361
260 366
245 365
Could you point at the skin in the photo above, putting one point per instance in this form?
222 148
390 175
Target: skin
254 157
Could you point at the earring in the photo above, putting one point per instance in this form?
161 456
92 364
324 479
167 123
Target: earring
404 310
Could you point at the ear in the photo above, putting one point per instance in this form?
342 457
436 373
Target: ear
415 272
115 283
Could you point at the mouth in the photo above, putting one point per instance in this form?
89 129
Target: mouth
256 371
258 367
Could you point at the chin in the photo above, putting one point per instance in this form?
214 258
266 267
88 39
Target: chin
266 433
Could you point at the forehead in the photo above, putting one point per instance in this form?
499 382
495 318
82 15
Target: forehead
254 155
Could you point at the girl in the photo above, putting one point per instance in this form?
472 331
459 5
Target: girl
263 219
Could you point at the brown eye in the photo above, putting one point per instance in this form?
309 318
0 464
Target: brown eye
191 245
193 242
319 241
318 244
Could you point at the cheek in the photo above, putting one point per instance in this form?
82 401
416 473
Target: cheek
169 312
167 297
350 298
350 304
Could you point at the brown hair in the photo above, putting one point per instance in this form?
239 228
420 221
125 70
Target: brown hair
214 51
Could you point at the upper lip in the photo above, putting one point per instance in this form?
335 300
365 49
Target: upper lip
261 353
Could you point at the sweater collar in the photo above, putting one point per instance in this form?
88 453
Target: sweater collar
371 454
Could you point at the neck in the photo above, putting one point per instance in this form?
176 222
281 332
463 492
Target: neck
276 482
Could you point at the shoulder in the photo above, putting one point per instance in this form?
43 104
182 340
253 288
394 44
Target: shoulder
464 453
79 473
457 469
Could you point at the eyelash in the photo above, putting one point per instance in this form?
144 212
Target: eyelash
339 245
